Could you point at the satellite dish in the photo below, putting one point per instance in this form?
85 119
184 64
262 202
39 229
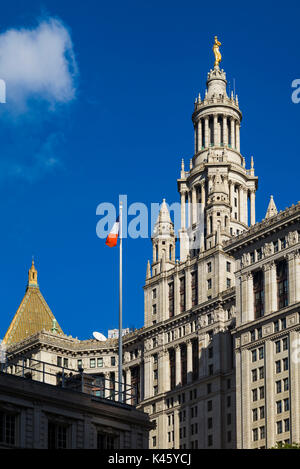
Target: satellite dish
99 336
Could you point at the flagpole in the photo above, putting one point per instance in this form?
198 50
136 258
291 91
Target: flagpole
120 307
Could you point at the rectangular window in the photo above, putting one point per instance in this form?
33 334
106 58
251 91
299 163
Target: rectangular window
258 290
254 355
276 326
57 436
209 406
209 267
262 432
279 427
275 245
283 243
284 344
65 362
100 362
285 364
153 309
154 293
278 407
113 361
59 361
282 284
261 372
92 363
286 403
277 346
254 375
79 364
262 412
194 284
171 299
209 284
254 415
261 353
228 282
278 366
287 425
278 387
262 392
7 428
182 294
228 266
254 395
255 434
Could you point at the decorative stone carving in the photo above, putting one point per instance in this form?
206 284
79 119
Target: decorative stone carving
268 249
292 238
245 259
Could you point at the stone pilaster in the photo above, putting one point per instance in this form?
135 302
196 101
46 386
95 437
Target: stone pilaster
252 207
178 365
189 361
270 284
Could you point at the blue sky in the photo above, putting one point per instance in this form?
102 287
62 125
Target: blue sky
105 109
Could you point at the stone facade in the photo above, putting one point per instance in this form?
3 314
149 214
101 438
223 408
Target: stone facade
232 295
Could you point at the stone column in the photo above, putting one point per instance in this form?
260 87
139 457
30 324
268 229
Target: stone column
183 196
206 133
189 210
189 349
297 276
237 135
270 284
188 289
225 131
203 193
195 138
247 298
291 278
178 365
176 294
199 135
232 133
216 130
241 204
194 206
246 206
252 207
127 388
148 375
107 384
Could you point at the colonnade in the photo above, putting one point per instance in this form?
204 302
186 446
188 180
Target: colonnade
217 130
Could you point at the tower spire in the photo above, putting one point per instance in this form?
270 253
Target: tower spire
32 275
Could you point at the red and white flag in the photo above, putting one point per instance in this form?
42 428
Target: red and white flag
112 238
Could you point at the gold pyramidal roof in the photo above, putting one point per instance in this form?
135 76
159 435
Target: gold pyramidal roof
33 314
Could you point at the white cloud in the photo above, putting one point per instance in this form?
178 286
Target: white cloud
37 65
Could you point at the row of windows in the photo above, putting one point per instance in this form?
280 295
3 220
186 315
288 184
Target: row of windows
258 413
283 426
277 326
58 434
257 254
258 393
257 353
282 365
258 373
282 406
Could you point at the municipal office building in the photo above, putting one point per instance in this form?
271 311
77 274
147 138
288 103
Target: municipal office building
216 364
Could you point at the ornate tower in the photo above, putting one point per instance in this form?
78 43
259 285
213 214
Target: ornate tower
163 240
218 186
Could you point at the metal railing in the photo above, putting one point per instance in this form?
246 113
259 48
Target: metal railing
69 378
